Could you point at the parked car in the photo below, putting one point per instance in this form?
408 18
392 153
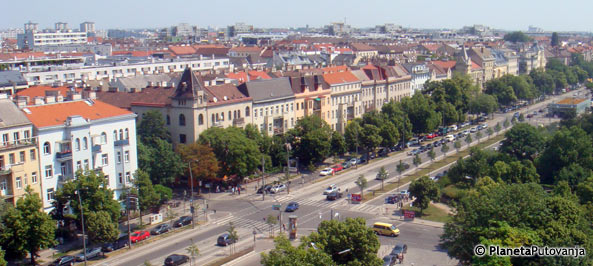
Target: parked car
362 159
278 188
337 168
183 220
292 206
473 130
176 259
331 188
224 240
453 128
64 260
334 195
119 243
326 171
414 152
437 143
384 152
392 199
389 260
346 165
265 188
139 236
160 229
90 254
450 138
485 125
480 127
466 132
353 161
399 249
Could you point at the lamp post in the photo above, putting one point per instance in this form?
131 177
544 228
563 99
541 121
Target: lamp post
191 201
82 220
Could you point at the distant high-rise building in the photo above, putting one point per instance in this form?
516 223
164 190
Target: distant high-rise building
30 26
338 29
533 29
239 28
61 26
87 26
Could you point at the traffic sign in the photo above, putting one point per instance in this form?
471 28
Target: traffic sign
276 207
356 198
409 215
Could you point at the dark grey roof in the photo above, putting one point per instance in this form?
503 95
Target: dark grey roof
8 77
267 89
10 115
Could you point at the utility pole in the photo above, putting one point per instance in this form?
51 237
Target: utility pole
263 178
191 201
288 148
127 204
82 220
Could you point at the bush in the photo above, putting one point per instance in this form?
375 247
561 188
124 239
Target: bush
452 192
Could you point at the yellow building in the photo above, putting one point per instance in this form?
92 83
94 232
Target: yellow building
312 96
19 165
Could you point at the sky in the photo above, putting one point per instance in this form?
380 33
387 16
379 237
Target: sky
551 15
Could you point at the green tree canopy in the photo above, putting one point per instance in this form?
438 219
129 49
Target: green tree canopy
516 36
352 134
100 228
421 113
152 127
483 103
523 141
338 144
284 254
204 165
311 139
424 190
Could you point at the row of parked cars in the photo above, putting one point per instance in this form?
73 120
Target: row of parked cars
178 259
272 189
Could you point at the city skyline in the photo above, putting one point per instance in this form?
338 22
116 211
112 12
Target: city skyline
268 14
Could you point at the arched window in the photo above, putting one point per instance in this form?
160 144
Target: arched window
182 120
121 134
213 119
127 134
168 120
114 135
234 114
85 143
46 148
103 138
77 144
200 119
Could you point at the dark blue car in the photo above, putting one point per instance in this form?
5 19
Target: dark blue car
292 206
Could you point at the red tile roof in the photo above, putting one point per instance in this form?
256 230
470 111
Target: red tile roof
10 56
56 114
253 75
35 91
340 77
334 69
475 66
445 64
246 49
149 96
362 47
182 50
219 92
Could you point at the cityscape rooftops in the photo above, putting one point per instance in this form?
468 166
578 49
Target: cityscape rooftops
88 109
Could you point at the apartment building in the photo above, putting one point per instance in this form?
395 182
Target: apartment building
346 100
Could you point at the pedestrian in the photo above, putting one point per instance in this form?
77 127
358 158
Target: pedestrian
284 227
239 190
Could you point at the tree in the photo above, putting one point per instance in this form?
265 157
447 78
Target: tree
382 175
431 154
147 195
573 174
497 127
233 236
152 127
145 156
424 190
516 36
27 229
479 135
165 193
165 165
505 124
417 160
361 182
204 165
457 145
584 191
421 112
237 155
193 251
468 139
311 139
350 242
523 141
445 148
483 103
284 254
2 260
489 132
389 134
352 134
338 144
271 221
100 228
555 40
370 138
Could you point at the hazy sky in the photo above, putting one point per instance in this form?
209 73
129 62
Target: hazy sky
557 15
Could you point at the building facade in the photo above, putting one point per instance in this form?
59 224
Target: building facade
346 100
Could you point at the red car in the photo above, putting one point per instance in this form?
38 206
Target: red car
139 236
430 136
337 168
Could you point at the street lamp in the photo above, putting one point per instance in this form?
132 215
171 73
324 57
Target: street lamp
82 220
191 201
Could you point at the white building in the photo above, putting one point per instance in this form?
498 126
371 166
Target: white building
83 134
420 74
32 39
87 26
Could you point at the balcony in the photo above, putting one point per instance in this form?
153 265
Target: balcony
350 116
96 148
5 170
217 124
62 179
64 155
18 144
278 130
121 142
239 122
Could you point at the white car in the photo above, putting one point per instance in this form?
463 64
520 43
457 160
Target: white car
278 188
473 130
330 189
450 138
326 171
484 125
353 161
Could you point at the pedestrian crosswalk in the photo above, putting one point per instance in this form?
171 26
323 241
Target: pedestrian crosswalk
258 225
367 208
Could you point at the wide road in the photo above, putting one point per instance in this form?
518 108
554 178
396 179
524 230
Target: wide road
247 212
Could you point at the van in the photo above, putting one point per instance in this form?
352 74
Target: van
450 138
385 229
453 127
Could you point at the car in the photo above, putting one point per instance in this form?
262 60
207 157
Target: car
225 240
453 128
64 260
183 220
485 125
466 132
384 152
278 188
263 189
516 114
346 165
334 195
385 229
414 152
353 161
437 143
405 192
362 159
337 168
542 110
331 188
389 260
480 127
529 116
292 206
139 236
473 130
160 229
429 146
117 244
392 199
326 171
399 249
90 254
465 124
430 136
176 259
450 138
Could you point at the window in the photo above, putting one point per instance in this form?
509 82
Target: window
50 194
85 143
5 139
48 171
64 168
127 156
3 185
27 134
182 138
247 111
19 183
22 155
77 144
200 119
120 177
230 115
16 137
46 148
114 135
118 157
104 159
34 177
168 120
182 120
11 159
222 116
121 134
103 138
128 177
78 165
86 164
